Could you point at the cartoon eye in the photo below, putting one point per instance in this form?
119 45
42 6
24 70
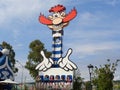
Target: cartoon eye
56 15
63 14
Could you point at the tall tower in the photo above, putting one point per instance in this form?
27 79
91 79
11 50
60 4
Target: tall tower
57 69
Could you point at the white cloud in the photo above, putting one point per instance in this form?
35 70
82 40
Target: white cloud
88 16
91 19
113 2
117 77
22 73
110 2
22 9
13 9
91 34
117 73
85 49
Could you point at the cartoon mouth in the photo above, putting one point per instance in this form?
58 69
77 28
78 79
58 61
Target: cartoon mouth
58 25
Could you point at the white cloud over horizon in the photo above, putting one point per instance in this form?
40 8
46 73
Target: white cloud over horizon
21 9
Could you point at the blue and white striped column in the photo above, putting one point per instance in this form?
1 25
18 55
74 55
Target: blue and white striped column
57 47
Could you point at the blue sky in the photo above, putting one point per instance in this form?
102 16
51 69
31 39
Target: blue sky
93 35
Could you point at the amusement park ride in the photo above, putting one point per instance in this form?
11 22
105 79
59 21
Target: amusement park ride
57 71
6 71
5 65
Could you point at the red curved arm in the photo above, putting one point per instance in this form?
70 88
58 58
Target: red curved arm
44 20
70 15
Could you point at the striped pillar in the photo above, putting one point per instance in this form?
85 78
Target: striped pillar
57 48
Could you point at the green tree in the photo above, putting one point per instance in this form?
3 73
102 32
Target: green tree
88 85
78 81
116 85
34 57
103 76
11 55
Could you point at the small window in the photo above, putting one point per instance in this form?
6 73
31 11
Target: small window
69 78
51 78
63 77
57 77
46 78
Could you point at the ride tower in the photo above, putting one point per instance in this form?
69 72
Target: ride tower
56 72
6 71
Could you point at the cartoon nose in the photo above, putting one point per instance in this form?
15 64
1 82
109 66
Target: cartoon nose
57 21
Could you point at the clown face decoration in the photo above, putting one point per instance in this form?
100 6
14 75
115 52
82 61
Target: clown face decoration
56 22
